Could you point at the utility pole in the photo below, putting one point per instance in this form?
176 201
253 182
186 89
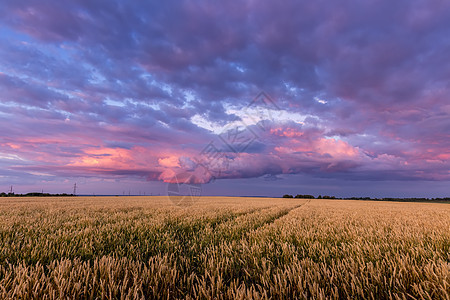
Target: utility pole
75 188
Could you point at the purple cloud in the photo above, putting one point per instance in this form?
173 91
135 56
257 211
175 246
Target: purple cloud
97 88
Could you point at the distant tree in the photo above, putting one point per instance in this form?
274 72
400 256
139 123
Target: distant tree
288 196
320 197
304 196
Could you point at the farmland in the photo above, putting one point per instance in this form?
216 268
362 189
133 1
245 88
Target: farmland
229 248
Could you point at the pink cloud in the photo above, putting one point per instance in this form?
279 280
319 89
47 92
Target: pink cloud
105 90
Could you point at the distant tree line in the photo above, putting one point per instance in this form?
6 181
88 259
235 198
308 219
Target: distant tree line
35 195
309 196
445 199
299 196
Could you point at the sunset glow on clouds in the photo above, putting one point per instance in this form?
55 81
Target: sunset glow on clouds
123 93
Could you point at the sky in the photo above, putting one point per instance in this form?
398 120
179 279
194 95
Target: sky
245 98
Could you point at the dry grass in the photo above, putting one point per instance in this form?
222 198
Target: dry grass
230 248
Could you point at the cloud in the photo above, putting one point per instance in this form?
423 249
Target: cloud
99 88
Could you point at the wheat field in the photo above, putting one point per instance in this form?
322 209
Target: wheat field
222 248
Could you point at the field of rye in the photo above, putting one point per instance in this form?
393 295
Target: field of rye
222 248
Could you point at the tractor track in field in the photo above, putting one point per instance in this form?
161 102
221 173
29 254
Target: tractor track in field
277 216
221 232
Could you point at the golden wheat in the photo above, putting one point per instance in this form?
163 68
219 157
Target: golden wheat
225 248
